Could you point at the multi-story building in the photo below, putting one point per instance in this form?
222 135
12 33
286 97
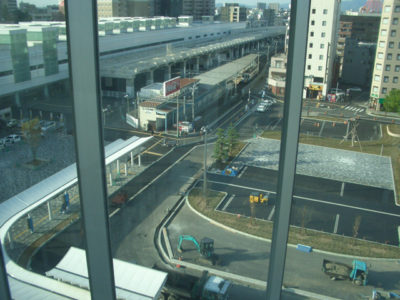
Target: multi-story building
277 74
125 8
358 63
362 27
321 47
372 6
261 5
274 6
232 12
174 8
7 9
387 60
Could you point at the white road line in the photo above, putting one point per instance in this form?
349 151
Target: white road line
271 213
155 179
336 224
347 107
310 199
361 109
342 189
322 128
228 202
241 173
273 128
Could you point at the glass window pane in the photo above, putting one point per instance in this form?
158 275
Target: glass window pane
40 198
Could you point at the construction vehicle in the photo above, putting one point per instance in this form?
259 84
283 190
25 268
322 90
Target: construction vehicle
185 286
357 272
258 197
205 248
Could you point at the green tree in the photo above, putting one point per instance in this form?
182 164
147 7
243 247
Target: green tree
392 101
31 132
220 149
231 140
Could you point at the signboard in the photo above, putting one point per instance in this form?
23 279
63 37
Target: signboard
171 86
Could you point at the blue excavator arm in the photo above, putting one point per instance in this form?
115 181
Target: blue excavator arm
187 238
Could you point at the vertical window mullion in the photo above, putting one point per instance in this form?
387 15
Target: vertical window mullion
4 287
84 72
289 143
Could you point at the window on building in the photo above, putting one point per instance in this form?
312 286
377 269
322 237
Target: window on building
389 56
312 33
395 79
387 8
313 11
377 77
384 90
387 68
375 89
308 67
398 57
397 68
322 34
393 33
383 32
322 46
391 45
385 20
325 11
321 57
379 67
380 55
319 68
395 21
310 56
382 44
311 45
385 78
397 8
323 23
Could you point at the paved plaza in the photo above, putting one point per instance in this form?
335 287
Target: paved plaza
323 162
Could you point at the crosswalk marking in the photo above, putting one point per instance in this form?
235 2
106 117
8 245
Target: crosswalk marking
353 108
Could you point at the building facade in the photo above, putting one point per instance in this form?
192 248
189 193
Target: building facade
358 63
125 8
321 48
232 12
360 27
387 60
277 75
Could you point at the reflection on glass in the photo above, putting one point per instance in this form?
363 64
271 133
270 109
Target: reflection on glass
40 197
345 217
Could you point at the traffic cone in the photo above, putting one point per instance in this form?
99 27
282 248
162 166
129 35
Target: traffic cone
179 265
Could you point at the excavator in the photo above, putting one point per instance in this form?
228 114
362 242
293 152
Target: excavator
205 248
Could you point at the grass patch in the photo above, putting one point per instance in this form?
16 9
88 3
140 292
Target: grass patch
389 145
316 239
237 147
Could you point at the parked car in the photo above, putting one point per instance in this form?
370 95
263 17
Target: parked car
14 138
12 123
262 108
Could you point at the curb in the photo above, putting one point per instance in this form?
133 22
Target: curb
289 245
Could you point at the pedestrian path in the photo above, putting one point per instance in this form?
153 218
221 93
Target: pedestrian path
354 108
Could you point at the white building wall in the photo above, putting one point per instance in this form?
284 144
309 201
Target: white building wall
321 44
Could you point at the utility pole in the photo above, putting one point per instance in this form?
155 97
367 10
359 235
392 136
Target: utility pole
177 117
205 163
193 89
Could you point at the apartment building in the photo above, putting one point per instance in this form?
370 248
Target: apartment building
321 48
232 12
387 60
125 8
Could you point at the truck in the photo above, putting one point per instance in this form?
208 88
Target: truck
181 286
357 272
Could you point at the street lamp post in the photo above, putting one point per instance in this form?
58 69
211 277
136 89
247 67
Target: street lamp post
205 163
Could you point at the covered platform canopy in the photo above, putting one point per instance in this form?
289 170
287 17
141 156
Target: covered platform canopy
131 281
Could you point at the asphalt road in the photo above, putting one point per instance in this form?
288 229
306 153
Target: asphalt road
317 204
246 256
